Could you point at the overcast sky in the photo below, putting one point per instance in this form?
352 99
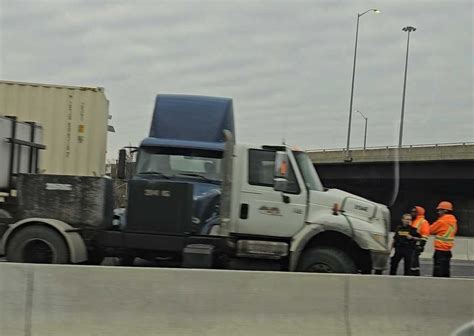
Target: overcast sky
286 64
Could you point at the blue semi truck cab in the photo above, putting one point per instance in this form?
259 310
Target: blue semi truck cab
186 144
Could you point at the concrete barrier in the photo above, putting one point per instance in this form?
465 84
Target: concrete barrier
460 250
470 249
53 300
409 305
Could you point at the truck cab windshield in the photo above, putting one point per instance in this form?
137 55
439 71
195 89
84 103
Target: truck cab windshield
311 178
172 162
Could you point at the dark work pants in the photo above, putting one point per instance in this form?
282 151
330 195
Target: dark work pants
442 261
402 253
415 263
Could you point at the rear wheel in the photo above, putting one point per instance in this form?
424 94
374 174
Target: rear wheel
326 260
39 245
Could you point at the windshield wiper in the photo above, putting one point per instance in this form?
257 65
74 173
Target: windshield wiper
154 173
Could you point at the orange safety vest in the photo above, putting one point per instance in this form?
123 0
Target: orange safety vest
445 229
422 226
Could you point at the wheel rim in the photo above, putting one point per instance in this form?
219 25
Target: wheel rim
38 251
319 268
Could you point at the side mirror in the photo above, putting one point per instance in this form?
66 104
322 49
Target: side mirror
280 184
121 164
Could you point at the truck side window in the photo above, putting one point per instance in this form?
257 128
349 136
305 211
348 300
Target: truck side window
261 166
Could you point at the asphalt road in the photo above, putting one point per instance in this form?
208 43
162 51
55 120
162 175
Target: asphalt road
459 269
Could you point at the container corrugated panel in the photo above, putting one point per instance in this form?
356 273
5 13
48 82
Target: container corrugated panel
74 121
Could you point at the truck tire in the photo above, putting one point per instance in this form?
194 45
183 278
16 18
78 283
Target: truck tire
39 245
326 260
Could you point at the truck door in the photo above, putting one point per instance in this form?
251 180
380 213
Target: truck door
264 211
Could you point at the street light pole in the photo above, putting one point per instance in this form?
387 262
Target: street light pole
408 29
365 131
348 154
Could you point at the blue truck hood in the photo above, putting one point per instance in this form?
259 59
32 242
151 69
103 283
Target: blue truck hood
206 199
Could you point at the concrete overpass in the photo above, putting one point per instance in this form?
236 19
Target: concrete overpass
435 152
403 177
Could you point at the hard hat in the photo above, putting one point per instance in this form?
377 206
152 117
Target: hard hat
445 206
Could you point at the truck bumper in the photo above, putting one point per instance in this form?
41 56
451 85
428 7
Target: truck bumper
379 260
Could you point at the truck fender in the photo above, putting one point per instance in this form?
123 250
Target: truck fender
301 239
358 230
77 247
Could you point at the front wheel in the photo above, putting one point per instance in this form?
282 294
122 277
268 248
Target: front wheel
326 260
39 245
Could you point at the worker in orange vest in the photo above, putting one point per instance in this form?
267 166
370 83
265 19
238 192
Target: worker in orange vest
445 229
422 226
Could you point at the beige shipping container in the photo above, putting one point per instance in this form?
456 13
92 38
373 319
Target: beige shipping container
74 121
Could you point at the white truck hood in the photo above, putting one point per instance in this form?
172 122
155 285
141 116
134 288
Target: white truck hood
353 206
362 218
